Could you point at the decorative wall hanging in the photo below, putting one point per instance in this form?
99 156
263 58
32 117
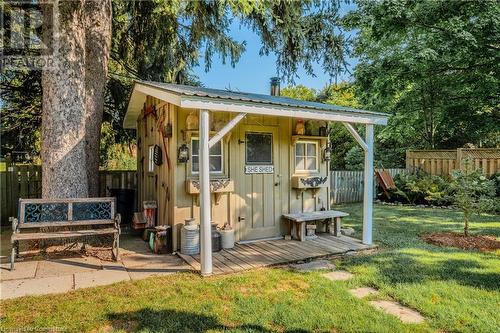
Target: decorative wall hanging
157 155
167 131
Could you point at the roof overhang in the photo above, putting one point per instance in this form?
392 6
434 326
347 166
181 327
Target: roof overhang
140 91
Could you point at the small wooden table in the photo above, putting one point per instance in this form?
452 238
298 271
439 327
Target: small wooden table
299 221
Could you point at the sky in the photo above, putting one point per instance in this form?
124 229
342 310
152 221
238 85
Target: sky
252 72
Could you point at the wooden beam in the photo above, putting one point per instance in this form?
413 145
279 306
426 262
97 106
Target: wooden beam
356 136
224 130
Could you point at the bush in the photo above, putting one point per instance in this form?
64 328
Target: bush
423 189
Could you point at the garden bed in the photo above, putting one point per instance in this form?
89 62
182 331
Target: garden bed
471 242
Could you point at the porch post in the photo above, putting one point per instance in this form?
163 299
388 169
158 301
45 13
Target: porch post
368 187
205 230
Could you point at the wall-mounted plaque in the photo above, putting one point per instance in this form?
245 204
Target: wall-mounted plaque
259 168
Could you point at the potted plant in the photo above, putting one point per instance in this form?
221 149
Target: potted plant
227 236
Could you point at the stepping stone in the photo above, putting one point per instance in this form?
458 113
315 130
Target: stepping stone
47 285
338 275
99 278
22 270
406 315
313 266
363 292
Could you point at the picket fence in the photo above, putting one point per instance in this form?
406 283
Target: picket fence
25 181
347 186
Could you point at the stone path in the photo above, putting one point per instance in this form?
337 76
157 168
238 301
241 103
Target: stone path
405 314
62 275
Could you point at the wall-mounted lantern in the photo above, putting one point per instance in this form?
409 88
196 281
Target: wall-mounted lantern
183 154
327 154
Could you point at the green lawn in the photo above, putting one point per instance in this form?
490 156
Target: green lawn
456 290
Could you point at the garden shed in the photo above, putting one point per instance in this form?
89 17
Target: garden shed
238 158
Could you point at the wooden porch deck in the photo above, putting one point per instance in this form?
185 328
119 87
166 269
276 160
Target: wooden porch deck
275 252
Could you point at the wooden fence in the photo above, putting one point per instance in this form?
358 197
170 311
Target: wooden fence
442 162
347 186
25 181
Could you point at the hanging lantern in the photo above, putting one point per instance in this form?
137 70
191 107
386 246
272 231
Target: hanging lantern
183 154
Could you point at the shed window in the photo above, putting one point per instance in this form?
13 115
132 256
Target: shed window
216 157
306 156
151 160
259 148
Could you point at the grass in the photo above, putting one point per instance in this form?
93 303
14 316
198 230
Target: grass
456 290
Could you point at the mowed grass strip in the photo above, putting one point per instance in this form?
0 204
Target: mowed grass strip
456 290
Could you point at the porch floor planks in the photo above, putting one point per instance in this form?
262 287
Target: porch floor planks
330 244
238 260
270 254
274 252
293 253
283 257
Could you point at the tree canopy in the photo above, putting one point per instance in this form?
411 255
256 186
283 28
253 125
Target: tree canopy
435 66
164 40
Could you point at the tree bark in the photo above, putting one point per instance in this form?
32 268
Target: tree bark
63 107
98 18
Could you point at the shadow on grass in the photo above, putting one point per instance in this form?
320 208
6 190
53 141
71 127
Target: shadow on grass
149 320
396 267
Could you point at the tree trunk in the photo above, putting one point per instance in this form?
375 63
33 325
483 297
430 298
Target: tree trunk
466 224
63 116
98 19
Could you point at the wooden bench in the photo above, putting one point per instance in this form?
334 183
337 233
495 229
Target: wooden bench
40 219
298 221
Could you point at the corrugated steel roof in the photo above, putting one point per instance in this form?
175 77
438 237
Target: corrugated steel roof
250 97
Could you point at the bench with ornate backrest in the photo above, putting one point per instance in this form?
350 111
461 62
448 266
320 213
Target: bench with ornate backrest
42 219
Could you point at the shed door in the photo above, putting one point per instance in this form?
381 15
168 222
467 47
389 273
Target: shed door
259 189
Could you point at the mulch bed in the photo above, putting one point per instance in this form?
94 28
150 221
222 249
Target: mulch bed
471 242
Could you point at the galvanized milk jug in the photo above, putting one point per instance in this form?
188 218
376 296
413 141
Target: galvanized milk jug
190 237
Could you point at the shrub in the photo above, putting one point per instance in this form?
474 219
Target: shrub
420 188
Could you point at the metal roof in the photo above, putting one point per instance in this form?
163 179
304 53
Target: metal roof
241 102
251 97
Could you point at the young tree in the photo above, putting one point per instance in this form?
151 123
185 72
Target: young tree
473 193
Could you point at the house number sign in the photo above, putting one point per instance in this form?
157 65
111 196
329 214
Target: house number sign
259 168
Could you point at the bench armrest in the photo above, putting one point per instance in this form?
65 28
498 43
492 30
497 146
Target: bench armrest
15 225
118 220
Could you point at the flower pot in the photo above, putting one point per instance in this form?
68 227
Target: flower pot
227 238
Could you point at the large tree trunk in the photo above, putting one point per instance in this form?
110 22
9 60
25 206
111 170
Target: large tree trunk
63 115
98 18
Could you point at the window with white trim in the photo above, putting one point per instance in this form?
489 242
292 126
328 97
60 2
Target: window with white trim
306 156
216 157
151 159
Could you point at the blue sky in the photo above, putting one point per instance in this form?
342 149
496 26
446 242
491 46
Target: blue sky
252 72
